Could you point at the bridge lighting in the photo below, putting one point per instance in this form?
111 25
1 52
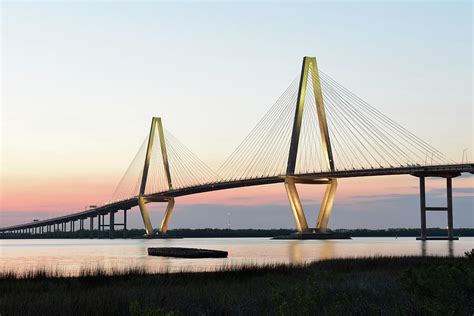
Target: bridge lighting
364 140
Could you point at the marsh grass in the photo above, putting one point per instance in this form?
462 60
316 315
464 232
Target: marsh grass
364 286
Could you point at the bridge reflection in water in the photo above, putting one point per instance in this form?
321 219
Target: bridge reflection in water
316 133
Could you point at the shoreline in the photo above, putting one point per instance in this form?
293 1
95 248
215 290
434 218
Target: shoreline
237 233
387 285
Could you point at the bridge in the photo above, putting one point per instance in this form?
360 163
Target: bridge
315 133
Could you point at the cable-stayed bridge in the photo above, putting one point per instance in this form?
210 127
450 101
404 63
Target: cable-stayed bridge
315 133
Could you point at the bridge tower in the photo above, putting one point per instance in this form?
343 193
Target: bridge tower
310 69
142 200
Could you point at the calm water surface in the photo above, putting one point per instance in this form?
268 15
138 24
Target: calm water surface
70 256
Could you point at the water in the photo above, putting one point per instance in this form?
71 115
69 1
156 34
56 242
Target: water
68 256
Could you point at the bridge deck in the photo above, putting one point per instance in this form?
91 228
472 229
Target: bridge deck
437 170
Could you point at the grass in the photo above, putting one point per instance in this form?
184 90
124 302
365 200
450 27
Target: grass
367 286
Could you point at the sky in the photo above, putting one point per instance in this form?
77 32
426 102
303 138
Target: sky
80 82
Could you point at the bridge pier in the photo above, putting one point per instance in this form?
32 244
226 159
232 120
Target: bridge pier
145 216
111 224
125 223
167 217
326 206
422 208
449 193
448 208
99 225
297 208
295 203
91 227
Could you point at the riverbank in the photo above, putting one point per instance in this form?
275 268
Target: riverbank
384 285
238 233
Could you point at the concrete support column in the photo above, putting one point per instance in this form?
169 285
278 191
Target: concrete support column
326 206
91 227
449 194
167 217
99 225
295 203
145 216
111 224
422 208
124 223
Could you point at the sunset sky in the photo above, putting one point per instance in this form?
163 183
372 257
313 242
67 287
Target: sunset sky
81 82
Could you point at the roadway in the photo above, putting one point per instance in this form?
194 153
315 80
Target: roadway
452 170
